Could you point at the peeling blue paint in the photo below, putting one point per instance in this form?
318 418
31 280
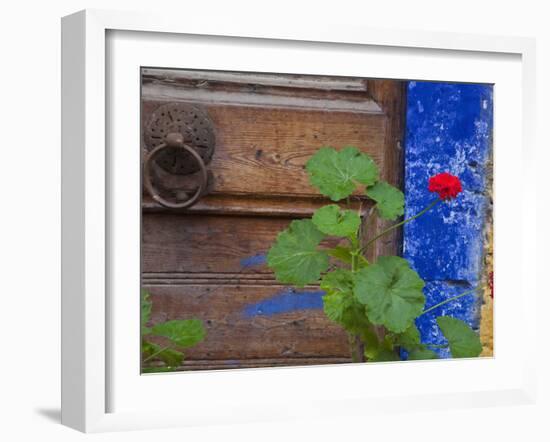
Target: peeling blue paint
449 129
254 260
288 300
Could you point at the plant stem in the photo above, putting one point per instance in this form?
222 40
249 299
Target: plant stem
395 226
449 300
360 349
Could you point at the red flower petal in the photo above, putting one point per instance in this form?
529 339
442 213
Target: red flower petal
447 186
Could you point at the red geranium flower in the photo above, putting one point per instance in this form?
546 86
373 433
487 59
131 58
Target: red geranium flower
446 185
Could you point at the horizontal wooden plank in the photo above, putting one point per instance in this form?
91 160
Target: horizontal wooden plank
263 152
240 205
204 244
246 322
182 278
263 99
258 363
202 79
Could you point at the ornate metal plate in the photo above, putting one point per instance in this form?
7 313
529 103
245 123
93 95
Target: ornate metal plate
196 127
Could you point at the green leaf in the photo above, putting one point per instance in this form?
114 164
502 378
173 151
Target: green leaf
340 305
382 354
338 299
390 201
463 341
182 332
146 306
170 357
331 220
294 257
392 292
339 280
409 339
336 305
336 173
341 253
420 353
147 348
344 255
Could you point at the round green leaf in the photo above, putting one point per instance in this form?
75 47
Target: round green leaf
336 173
339 303
339 280
336 222
390 201
182 332
391 291
295 258
338 299
463 341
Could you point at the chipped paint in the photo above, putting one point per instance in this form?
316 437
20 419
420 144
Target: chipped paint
449 129
254 260
288 300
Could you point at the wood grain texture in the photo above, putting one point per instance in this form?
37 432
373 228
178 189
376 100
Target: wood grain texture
207 244
391 95
233 334
262 152
224 364
249 80
238 205
267 127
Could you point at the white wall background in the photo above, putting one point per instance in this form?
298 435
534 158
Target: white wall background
30 218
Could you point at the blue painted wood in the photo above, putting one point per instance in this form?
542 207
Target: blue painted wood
288 300
449 129
254 260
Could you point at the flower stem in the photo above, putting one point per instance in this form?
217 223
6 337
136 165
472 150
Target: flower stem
395 226
449 300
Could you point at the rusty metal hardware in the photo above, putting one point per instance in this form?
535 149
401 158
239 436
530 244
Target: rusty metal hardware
180 139
193 123
174 141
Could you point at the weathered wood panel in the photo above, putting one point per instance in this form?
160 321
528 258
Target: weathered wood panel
192 364
206 244
390 95
244 205
245 320
210 80
262 151
267 126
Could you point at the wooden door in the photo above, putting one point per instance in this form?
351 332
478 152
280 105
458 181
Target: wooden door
206 261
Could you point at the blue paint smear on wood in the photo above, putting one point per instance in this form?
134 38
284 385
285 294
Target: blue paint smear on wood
254 260
289 300
449 129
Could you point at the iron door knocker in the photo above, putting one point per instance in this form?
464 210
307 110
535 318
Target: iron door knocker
180 140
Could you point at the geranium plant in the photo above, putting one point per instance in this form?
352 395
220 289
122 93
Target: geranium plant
378 302
177 335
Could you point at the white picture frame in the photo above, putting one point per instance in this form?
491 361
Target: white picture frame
91 371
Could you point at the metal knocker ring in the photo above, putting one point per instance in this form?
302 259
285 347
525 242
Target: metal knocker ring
174 140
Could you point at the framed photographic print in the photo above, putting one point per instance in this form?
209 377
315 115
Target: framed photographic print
269 211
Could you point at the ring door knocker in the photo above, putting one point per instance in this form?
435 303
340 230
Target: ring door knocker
179 139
